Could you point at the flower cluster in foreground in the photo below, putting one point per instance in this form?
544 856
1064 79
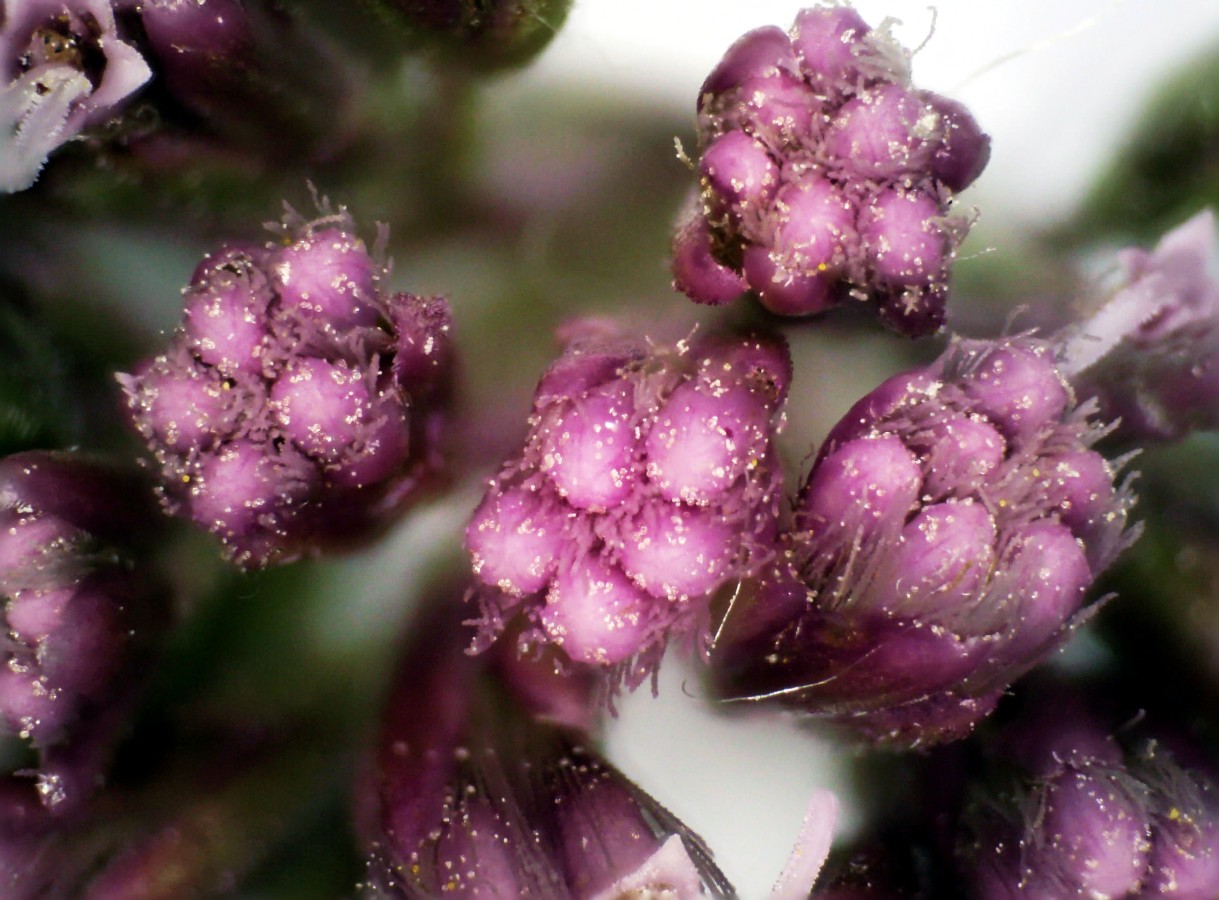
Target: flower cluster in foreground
646 482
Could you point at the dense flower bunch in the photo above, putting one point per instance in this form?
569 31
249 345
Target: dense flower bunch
944 542
300 403
825 175
81 619
1066 810
647 481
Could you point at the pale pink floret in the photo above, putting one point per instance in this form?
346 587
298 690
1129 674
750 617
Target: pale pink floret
515 538
678 552
589 447
596 615
327 275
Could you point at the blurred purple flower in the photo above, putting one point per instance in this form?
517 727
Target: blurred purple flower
299 405
647 481
825 176
1066 810
1150 354
66 69
479 788
81 620
944 543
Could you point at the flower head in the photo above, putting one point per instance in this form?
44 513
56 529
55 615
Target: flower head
298 403
825 175
944 542
646 482
65 68
1064 809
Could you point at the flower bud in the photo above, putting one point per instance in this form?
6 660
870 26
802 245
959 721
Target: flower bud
297 406
484 36
82 620
647 481
824 175
252 75
1062 809
470 794
943 543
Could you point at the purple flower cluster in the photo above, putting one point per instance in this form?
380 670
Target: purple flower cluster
943 543
647 480
80 619
1082 814
299 404
825 176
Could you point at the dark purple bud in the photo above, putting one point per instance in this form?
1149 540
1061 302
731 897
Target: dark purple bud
759 54
1016 386
298 407
1094 835
423 357
961 453
65 69
739 175
812 238
865 487
327 275
470 794
255 77
226 317
788 291
81 616
1047 564
902 234
943 558
963 149
647 481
